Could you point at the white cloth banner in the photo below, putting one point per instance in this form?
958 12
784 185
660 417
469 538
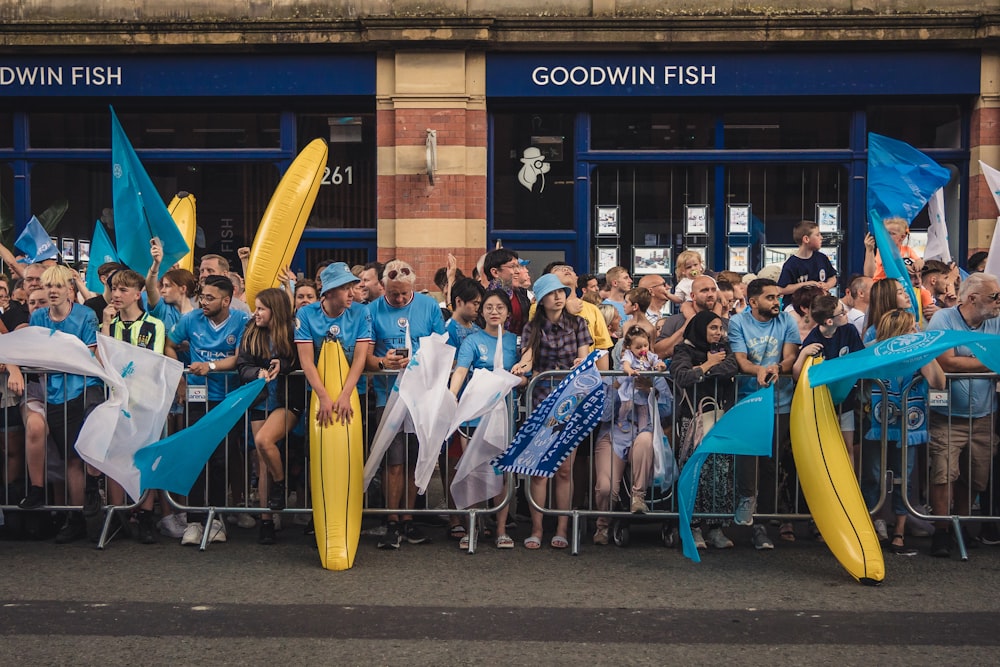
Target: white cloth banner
937 232
141 386
993 180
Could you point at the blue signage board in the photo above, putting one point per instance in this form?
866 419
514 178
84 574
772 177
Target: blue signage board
188 76
730 74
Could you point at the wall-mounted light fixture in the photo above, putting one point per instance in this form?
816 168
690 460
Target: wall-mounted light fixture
431 145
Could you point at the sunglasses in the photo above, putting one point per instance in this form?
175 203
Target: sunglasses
995 297
395 273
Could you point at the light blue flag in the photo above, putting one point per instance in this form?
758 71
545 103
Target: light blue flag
173 464
901 180
140 213
555 428
745 429
101 252
900 357
34 242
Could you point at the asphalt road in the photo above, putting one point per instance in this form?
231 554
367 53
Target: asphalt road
242 603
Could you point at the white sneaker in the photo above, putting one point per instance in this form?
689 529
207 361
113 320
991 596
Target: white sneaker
173 525
217 533
699 541
193 534
243 520
881 530
277 520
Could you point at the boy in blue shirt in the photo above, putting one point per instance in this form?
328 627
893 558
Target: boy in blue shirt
808 266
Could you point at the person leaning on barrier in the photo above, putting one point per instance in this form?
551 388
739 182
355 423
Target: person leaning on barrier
213 334
962 440
596 322
69 399
399 317
704 294
766 343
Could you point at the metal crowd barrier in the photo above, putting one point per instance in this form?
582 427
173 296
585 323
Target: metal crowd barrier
237 468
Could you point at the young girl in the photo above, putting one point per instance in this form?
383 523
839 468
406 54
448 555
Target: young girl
886 295
479 351
305 293
554 339
636 357
899 232
170 297
267 351
899 456
689 267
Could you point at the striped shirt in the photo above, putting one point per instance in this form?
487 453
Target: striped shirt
147 332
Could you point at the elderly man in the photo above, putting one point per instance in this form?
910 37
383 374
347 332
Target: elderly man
962 441
397 311
658 303
704 294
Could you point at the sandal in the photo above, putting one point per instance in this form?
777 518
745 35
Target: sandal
457 532
787 532
901 549
463 543
505 541
559 542
532 543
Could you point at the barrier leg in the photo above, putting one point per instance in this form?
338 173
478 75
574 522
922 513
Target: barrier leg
109 514
473 531
956 530
575 534
208 529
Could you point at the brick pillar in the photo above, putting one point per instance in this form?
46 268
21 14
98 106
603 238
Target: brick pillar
984 144
419 222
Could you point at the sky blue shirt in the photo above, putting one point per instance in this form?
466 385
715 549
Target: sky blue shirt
762 342
389 327
209 342
457 333
479 350
966 398
313 325
82 323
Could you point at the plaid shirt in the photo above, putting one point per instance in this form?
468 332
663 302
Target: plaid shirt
558 350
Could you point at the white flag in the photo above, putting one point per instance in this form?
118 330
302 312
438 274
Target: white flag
937 232
993 180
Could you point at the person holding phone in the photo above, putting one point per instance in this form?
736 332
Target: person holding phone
267 351
766 344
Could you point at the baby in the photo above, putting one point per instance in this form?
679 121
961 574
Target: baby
636 357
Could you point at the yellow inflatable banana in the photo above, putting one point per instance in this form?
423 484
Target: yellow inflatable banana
284 219
830 485
336 468
182 210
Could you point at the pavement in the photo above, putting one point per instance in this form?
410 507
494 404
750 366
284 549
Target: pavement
432 604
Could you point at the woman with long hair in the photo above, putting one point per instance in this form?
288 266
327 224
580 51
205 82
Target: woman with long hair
554 339
886 295
268 352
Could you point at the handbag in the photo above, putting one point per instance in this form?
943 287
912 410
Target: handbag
704 416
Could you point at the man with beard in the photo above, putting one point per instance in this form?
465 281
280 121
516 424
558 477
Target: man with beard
704 294
765 342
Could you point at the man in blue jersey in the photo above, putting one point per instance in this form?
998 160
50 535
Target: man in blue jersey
400 318
765 342
213 335
69 399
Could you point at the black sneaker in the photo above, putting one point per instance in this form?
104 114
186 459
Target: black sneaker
276 497
34 499
266 535
941 544
146 533
989 534
392 538
74 529
91 500
413 534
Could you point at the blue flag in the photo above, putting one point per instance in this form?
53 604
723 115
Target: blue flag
34 242
900 357
101 252
745 429
901 180
173 464
555 428
140 213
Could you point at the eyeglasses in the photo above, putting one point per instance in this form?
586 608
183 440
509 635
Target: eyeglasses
208 298
513 265
995 297
495 309
840 313
395 273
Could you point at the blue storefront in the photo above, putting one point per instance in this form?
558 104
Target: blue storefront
625 158
221 127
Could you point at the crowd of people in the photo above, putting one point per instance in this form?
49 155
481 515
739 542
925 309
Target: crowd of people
709 335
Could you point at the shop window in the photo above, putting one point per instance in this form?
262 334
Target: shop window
7 222
920 126
651 131
347 195
786 130
779 197
6 130
231 197
210 130
532 171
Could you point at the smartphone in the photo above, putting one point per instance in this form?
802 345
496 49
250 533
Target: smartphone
273 366
770 377
717 347
402 352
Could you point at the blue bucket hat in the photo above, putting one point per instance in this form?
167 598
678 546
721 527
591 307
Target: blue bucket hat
548 283
336 275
